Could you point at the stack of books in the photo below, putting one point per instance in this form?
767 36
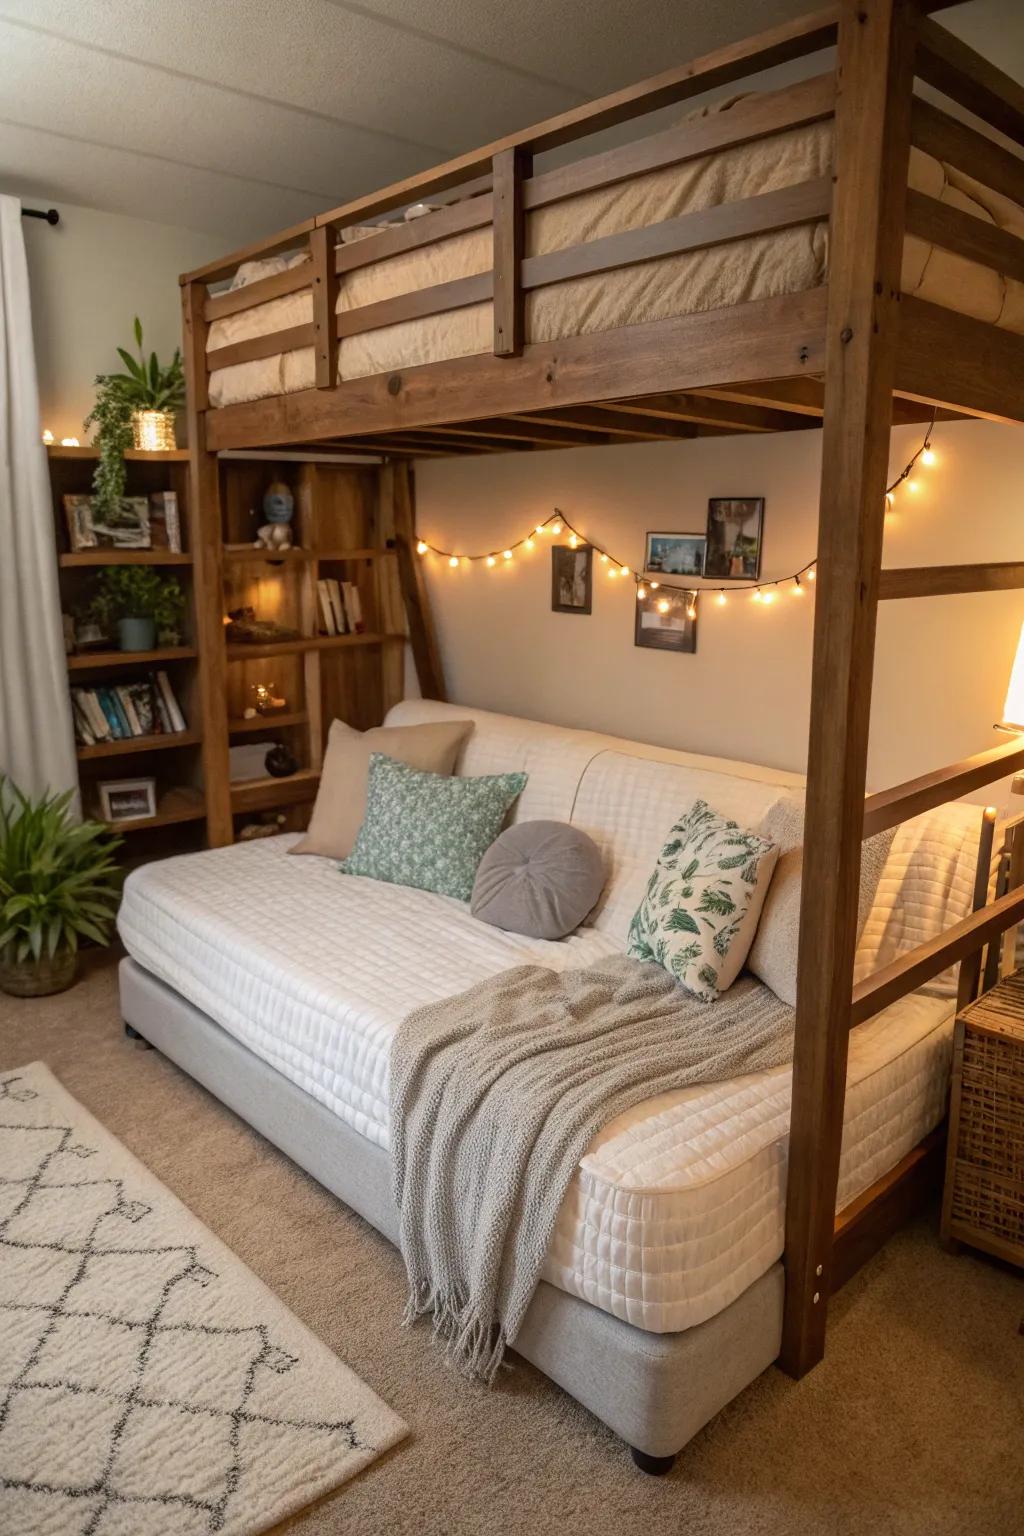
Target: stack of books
341 612
146 707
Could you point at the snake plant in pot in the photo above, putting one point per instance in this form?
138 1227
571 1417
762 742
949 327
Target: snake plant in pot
59 884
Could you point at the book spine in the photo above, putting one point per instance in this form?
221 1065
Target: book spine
176 717
97 719
338 606
172 522
161 708
324 604
83 729
105 700
124 699
354 607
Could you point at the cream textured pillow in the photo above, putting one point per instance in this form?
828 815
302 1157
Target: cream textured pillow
703 901
341 799
773 954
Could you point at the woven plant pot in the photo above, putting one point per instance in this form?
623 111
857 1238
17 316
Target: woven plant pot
153 430
38 978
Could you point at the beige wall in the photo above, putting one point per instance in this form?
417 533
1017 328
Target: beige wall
942 664
89 276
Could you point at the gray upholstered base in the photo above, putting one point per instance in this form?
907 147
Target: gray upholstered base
656 1390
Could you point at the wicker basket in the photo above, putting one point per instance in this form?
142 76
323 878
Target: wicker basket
38 978
984 1202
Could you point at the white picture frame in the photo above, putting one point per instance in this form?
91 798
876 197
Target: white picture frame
127 799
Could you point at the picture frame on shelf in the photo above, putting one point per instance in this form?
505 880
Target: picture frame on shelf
572 579
675 554
127 528
734 537
127 799
666 620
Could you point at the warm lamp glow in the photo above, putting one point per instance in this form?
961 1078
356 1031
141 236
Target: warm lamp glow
421 548
506 554
453 560
1013 709
490 559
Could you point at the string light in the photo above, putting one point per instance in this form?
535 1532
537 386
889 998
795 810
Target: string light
491 560
721 599
422 548
641 591
506 554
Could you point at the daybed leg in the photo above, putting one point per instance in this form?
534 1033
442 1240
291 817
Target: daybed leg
140 1041
654 1466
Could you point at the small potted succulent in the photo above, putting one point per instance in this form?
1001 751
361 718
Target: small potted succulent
143 606
58 884
133 409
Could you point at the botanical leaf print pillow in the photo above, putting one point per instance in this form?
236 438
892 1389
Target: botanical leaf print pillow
699 916
429 830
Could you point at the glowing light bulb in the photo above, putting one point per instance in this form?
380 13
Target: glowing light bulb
928 456
573 541
539 528
490 560
796 590
556 527
641 592
47 437
691 612
604 559
768 597
655 585
612 571
663 605
756 595
453 560
623 570
889 501
421 548
812 574
506 554
721 599
70 442
530 544
913 486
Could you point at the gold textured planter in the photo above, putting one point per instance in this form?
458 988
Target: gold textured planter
153 430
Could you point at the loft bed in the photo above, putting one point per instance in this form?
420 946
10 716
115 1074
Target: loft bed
864 265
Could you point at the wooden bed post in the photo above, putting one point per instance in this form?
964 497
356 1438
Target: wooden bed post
325 297
875 78
511 167
207 578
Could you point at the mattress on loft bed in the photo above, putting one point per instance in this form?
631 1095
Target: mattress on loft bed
759 267
677 1206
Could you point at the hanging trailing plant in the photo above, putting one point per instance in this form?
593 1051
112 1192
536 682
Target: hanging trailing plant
146 385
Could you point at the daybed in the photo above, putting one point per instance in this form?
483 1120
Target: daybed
279 983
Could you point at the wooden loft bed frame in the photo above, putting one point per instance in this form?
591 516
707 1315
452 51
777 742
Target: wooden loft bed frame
854 353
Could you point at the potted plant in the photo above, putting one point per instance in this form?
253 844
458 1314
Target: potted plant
134 408
58 884
143 606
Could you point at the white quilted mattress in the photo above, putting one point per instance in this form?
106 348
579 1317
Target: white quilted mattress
677 1206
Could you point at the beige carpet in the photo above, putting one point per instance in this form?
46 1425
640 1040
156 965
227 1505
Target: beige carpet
913 1424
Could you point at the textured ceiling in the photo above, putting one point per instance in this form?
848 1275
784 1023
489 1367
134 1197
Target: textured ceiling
240 117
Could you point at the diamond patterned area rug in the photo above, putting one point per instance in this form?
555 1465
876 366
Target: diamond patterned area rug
150 1384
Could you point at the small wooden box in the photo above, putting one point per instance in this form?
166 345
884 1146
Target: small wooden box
983 1203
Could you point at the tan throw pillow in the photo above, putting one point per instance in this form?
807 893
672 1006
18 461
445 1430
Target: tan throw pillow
341 799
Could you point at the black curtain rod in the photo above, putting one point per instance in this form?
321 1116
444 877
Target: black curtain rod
49 214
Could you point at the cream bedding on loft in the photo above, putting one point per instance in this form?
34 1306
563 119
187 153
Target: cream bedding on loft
760 266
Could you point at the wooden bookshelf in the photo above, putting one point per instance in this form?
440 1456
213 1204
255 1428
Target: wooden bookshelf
173 759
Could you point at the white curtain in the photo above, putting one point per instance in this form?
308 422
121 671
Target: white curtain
37 747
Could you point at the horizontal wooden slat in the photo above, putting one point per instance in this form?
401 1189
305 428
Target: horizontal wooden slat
912 970
943 580
766 338
239 652
521 429
808 102
435 300
892 806
778 45
964 235
962 74
255 347
954 360
864 1225
953 142
456 219
709 411
764 214
270 246
594 419
261 292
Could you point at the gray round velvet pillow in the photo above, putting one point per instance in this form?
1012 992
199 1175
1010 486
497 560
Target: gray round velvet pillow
539 878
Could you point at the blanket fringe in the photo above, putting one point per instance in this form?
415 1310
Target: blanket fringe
475 1345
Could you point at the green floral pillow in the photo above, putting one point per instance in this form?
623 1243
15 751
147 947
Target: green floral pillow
429 830
699 916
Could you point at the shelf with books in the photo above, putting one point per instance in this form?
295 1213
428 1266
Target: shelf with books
161 819
94 661
162 742
304 643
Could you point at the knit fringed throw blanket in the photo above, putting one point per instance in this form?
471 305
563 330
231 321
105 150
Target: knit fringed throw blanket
495 1097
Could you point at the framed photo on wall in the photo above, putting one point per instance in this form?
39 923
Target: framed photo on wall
663 621
675 554
735 528
572 579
